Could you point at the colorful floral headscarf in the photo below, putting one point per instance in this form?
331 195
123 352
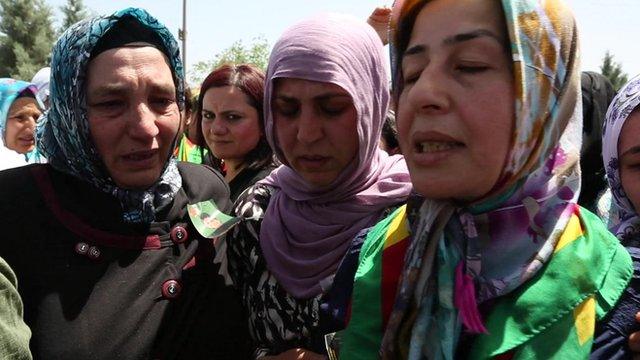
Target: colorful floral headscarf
624 220
498 244
64 135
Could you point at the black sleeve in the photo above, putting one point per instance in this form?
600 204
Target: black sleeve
202 183
611 338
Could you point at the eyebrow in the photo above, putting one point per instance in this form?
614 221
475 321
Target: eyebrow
471 36
116 89
226 112
108 89
324 96
22 111
456 39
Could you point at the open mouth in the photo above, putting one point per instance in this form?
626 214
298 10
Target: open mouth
140 155
26 138
426 147
312 161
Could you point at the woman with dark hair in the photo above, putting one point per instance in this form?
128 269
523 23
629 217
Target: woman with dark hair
230 125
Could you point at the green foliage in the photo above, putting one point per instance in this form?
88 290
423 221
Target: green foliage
73 12
238 53
27 37
613 71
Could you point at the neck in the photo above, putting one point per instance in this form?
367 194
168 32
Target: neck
233 168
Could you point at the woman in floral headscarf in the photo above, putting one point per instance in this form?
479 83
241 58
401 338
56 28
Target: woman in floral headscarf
19 112
109 265
620 154
502 262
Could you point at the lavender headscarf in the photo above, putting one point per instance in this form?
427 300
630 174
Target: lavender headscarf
624 221
306 231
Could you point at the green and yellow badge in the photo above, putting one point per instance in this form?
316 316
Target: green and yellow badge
209 220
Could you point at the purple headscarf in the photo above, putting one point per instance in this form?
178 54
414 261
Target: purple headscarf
306 231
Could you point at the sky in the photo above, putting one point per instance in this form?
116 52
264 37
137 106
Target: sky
213 25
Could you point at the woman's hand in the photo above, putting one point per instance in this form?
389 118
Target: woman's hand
379 21
295 354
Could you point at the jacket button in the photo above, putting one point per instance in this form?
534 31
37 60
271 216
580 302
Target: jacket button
179 234
171 289
93 253
82 248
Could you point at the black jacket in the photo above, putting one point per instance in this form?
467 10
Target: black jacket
95 287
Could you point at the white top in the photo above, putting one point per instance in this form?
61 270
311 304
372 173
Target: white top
10 159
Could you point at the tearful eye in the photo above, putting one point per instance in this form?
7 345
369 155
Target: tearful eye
108 104
163 101
108 108
334 110
286 108
410 78
471 69
335 105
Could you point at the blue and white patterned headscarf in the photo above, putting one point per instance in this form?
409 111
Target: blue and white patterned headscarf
624 220
63 133
10 90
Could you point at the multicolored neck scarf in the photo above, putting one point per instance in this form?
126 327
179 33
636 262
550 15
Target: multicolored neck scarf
63 132
461 256
623 219
553 316
10 90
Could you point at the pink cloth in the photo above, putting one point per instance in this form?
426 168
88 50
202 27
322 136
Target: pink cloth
306 231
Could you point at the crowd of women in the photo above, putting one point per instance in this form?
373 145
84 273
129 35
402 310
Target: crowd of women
260 217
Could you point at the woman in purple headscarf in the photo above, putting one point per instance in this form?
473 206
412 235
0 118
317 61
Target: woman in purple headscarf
326 97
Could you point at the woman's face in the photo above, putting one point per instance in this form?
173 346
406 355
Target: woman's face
230 125
133 114
316 128
21 124
629 150
456 110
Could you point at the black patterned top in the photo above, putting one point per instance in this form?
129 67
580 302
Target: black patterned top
277 320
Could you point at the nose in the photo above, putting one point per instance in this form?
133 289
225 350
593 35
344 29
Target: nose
429 93
219 128
310 127
33 120
142 124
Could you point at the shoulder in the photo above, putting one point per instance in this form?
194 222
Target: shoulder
14 175
250 208
202 183
253 203
14 332
587 246
18 185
